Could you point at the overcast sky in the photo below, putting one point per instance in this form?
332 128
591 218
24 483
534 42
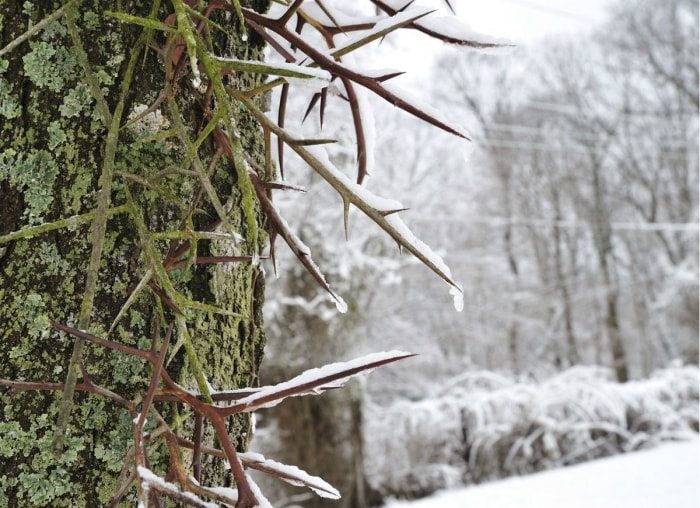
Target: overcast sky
522 22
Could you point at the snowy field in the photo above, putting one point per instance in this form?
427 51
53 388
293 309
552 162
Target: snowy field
664 477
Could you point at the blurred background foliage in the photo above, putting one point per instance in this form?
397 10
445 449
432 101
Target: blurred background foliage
573 230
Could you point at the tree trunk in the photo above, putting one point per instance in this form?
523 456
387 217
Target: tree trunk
572 354
317 433
602 235
55 143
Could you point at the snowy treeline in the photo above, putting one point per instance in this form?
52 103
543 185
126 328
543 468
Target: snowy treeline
485 426
574 228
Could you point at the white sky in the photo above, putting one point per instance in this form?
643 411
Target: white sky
522 22
525 21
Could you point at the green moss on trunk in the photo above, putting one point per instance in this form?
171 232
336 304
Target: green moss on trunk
52 148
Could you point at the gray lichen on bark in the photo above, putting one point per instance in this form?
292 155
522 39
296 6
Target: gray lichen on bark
52 146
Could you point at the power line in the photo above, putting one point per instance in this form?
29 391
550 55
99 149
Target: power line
615 226
574 111
530 145
555 11
584 148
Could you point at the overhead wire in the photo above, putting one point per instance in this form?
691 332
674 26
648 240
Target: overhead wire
554 10
616 226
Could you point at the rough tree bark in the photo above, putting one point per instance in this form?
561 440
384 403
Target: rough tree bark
54 145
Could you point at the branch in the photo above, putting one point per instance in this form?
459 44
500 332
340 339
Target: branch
99 223
381 211
300 250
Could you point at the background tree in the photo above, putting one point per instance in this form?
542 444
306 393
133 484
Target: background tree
580 147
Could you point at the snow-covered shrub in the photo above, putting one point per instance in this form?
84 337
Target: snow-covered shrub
410 447
673 388
484 426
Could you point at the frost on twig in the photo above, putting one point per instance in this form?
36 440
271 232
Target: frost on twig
290 474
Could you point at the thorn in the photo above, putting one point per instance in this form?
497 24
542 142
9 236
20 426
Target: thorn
280 122
387 77
273 257
282 186
386 213
312 103
322 109
346 214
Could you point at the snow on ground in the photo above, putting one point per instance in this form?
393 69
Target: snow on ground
664 477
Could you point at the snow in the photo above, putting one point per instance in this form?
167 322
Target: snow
340 304
666 476
310 376
148 477
374 201
262 500
223 491
422 105
381 26
294 475
484 426
284 68
452 27
458 297
391 222
432 259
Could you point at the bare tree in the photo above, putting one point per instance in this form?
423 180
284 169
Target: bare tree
593 156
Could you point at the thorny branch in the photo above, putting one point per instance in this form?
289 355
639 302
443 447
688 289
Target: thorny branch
162 388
